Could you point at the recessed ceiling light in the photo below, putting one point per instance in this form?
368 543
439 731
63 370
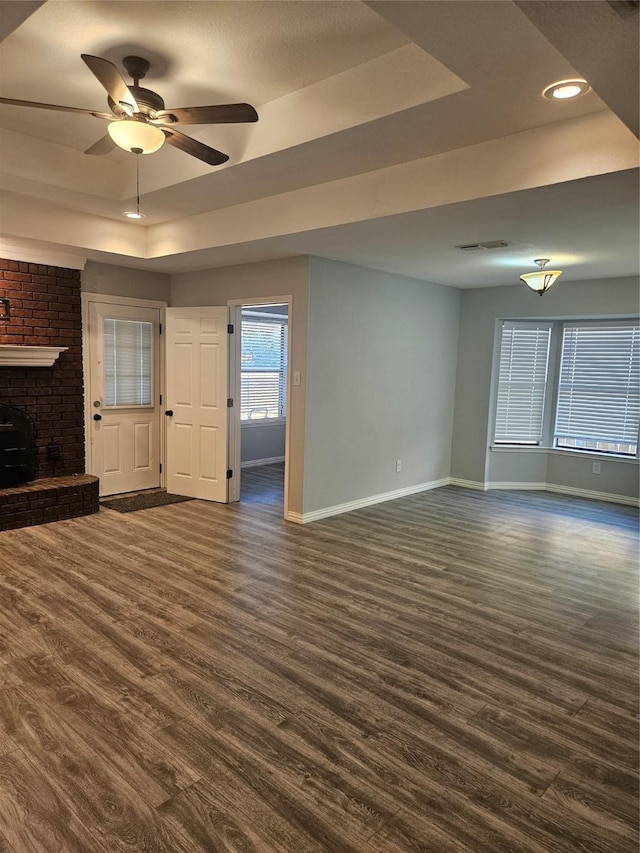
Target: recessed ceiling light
132 214
564 90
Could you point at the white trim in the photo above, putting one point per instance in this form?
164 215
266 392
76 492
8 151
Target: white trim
338 509
33 255
566 490
20 356
234 435
557 451
295 517
516 486
468 484
234 447
254 463
361 503
260 300
593 495
109 299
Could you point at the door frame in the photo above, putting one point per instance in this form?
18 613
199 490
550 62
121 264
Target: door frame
109 299
234 435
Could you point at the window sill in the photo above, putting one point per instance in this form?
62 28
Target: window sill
578 454
261 422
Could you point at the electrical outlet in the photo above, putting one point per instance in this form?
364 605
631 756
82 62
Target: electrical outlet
398 465
595 468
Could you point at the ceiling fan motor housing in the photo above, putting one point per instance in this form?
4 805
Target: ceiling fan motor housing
136 67
149 102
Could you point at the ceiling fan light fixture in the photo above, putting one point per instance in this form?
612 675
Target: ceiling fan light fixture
133 214
541 280
131 134
565 90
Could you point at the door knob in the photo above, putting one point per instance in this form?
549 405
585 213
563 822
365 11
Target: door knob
169 413
97 417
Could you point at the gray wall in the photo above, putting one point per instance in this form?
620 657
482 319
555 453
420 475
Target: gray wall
472 460
123 281
381 353
380 386
261 440
271 278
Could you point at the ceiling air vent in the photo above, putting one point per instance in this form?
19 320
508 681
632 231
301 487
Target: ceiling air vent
624 8
489 244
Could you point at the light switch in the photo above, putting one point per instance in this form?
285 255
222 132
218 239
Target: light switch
296 377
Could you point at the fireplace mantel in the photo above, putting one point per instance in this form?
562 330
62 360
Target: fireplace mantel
18 356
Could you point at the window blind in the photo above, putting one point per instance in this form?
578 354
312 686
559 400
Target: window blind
599 388
522 380
127 363
263 367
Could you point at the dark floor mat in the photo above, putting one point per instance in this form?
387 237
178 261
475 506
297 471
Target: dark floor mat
142 501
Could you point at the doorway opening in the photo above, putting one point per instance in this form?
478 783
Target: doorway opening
263 395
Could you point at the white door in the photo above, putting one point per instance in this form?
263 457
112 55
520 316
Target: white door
196 402
124 402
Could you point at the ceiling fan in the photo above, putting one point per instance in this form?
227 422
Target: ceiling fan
139 121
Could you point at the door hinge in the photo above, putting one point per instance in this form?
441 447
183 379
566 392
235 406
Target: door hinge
229 402
160 328
160 399
161 467
229 474
230 329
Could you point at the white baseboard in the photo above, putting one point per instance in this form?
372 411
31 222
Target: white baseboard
338 509
593 495
254 463
549 487
529 487
361 503
467 484
295 517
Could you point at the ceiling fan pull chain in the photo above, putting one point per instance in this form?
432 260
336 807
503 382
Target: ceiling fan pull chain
137 152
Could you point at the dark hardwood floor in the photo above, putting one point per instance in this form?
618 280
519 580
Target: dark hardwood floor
452 671
263 484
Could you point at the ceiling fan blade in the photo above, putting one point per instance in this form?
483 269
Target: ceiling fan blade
192 146
111 79
17 103
220 114
102 146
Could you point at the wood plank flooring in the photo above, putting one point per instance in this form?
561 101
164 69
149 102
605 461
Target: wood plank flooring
452 671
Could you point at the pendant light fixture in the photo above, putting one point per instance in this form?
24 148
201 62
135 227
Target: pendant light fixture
135 214
541 280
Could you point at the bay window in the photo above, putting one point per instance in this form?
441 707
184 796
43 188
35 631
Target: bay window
582 394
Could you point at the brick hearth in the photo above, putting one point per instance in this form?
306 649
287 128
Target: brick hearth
51 499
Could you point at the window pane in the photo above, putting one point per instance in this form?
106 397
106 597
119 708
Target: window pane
260 396
261 345
128 360
524 358
263 367
599 389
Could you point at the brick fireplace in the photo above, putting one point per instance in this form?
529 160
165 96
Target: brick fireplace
45 311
